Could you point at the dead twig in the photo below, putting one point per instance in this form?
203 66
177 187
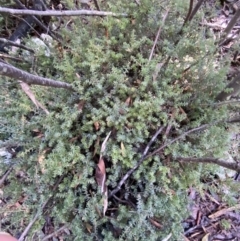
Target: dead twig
145 156
39 212
128 174
61 13
200 128
97 5
18 74
229 27
189 12
158 34
194 11
8 42
40 24
4 177
6 56
229 165
54 233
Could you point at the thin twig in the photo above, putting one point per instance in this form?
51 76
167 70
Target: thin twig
6 56
200 128
198 5
54 233
61 13
8 42
145 156
40 24
25 232
189 12
235 166
4 177
39 212
158 34
18 74
228 102
229 27
97 5
128 174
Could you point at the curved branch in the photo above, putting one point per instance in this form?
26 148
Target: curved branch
18 74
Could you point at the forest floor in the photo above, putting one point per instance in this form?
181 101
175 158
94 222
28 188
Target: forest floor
211 218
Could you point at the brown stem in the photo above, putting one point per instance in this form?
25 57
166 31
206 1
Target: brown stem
229 165
18 74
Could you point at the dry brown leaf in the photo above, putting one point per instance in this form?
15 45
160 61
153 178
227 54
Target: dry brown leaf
96 125
100 174
26 88
81 105
155 223
128 101
88 227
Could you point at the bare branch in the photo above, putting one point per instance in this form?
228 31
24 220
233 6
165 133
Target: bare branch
97 5
54 233
18 74
128 174
158 34
189 12
198 5
39 212
61 13
40 24
230 165
8 42
229 27
145 156
200 128
4 177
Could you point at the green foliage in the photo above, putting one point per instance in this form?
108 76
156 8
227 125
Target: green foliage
106 60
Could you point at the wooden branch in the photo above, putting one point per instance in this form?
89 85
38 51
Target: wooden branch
18 74
198 5
145 156
235 166
61 13
46 238
39 212
229 27
129 173
39 23
158 34
189 12
8 42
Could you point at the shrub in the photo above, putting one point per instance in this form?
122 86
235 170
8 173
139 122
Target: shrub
117 89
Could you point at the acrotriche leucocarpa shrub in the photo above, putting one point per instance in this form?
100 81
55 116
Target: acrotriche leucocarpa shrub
118 89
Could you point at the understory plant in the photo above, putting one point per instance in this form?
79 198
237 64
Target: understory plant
119 87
